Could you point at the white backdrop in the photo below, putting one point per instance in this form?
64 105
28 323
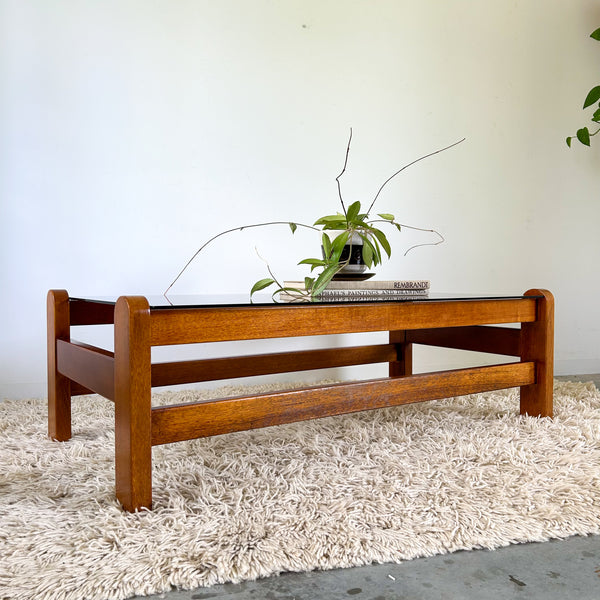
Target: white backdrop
132 131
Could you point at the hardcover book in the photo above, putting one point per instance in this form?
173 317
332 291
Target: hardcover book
394 284
349 295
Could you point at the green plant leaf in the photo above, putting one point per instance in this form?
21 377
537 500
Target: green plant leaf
314 263
352 212
367 253
569 141
596 34
592 97
337 246
329 219
383 241
378 259
308 283
293 227
261 285
324 278
583 135
596 116
398 226
370 252
386 216
335 226
376 245
326 241
357 223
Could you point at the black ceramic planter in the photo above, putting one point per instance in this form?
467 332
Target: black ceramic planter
353 253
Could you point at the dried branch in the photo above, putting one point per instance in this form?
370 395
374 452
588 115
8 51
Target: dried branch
343 171
406 167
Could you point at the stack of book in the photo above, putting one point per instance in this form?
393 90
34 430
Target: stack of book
364 290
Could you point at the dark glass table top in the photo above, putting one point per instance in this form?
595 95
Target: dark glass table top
157 302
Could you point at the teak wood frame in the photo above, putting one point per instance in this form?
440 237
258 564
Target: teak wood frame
127 375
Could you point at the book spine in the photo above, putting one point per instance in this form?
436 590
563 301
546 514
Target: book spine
418 284
285 297
373 292
411 285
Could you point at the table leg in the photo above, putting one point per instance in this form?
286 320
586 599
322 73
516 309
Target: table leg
537 344
59 386
133 410
403 365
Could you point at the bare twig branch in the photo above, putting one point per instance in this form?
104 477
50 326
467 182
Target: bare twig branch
406 167
212 239
343 171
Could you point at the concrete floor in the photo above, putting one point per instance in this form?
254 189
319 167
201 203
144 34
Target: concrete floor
556 570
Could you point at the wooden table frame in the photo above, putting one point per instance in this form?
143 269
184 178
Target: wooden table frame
127 375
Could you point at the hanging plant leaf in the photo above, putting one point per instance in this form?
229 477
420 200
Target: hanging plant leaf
596 34
583 135
293 227
592 97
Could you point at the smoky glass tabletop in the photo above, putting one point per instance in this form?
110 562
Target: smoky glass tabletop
158 302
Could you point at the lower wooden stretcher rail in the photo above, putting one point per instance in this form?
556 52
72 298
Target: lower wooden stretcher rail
213 417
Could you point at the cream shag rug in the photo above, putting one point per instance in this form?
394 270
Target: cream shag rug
379 486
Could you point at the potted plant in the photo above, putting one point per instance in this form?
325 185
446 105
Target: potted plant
583 134
340 234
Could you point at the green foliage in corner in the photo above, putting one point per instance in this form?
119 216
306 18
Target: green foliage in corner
583 134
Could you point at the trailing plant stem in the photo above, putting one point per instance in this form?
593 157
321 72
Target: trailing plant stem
440 241
212 239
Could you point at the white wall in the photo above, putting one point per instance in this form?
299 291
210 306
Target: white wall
131 131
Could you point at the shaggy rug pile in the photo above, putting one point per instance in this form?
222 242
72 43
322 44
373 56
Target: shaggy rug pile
380 486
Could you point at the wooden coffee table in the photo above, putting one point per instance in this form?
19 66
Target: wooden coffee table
127 375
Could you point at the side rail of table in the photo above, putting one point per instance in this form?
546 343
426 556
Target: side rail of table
127 375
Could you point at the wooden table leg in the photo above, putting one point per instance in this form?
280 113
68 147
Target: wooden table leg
59 386
537 344
133 416
402 366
